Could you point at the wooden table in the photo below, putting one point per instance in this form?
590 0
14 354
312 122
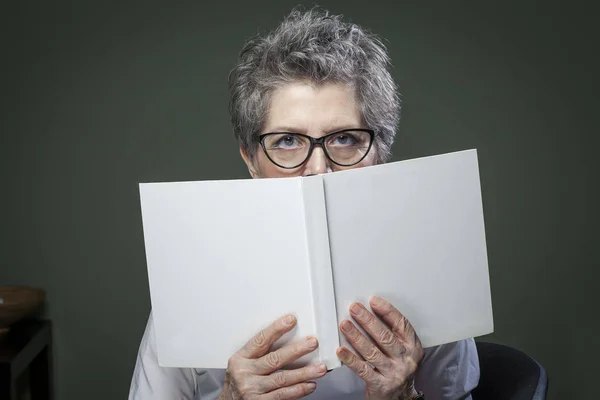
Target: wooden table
27 346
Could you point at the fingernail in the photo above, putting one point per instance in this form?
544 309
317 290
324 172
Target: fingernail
346 326
376 301
288 319
356 309
311 341
320 368
312 386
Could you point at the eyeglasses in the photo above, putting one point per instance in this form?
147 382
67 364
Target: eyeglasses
290 150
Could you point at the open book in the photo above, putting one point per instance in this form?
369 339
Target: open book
226 258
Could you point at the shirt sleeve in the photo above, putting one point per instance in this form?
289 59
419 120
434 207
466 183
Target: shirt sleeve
449 371
151 381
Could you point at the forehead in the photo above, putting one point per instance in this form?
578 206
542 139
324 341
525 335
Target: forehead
311 109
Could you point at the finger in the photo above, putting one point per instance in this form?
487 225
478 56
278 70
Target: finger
381 334
260 344
292 377
359 367
276 359
364 346
397 322
291 392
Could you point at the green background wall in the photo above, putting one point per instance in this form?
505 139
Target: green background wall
98 96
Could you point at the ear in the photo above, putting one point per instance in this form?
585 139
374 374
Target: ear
251 164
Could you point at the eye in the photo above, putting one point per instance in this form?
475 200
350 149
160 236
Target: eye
343 139
285 141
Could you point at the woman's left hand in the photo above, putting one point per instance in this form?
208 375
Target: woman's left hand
394 351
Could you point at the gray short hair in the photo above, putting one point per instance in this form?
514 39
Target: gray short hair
318 48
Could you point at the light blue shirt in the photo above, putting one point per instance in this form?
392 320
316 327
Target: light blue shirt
449 371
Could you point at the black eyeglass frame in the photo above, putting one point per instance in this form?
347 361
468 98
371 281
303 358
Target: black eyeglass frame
317 141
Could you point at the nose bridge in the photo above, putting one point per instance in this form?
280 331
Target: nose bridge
317 163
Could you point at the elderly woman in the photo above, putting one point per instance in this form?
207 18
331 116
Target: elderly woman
315 96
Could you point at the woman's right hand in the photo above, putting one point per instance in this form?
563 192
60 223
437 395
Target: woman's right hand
253 372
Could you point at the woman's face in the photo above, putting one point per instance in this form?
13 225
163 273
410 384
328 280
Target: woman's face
313 111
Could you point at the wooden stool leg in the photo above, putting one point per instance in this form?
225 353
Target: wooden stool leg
40 375
8 388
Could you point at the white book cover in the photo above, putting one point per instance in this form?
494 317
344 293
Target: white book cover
226 258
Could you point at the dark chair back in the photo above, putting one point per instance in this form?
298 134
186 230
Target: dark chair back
509 374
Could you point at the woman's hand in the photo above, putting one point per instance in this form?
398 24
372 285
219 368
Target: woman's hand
394 352
251 371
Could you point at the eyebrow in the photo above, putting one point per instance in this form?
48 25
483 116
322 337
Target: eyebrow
289 129
286 128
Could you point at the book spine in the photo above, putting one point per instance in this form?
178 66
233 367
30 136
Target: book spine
321 275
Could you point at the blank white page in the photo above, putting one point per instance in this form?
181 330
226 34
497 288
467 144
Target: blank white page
413 233
225 259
